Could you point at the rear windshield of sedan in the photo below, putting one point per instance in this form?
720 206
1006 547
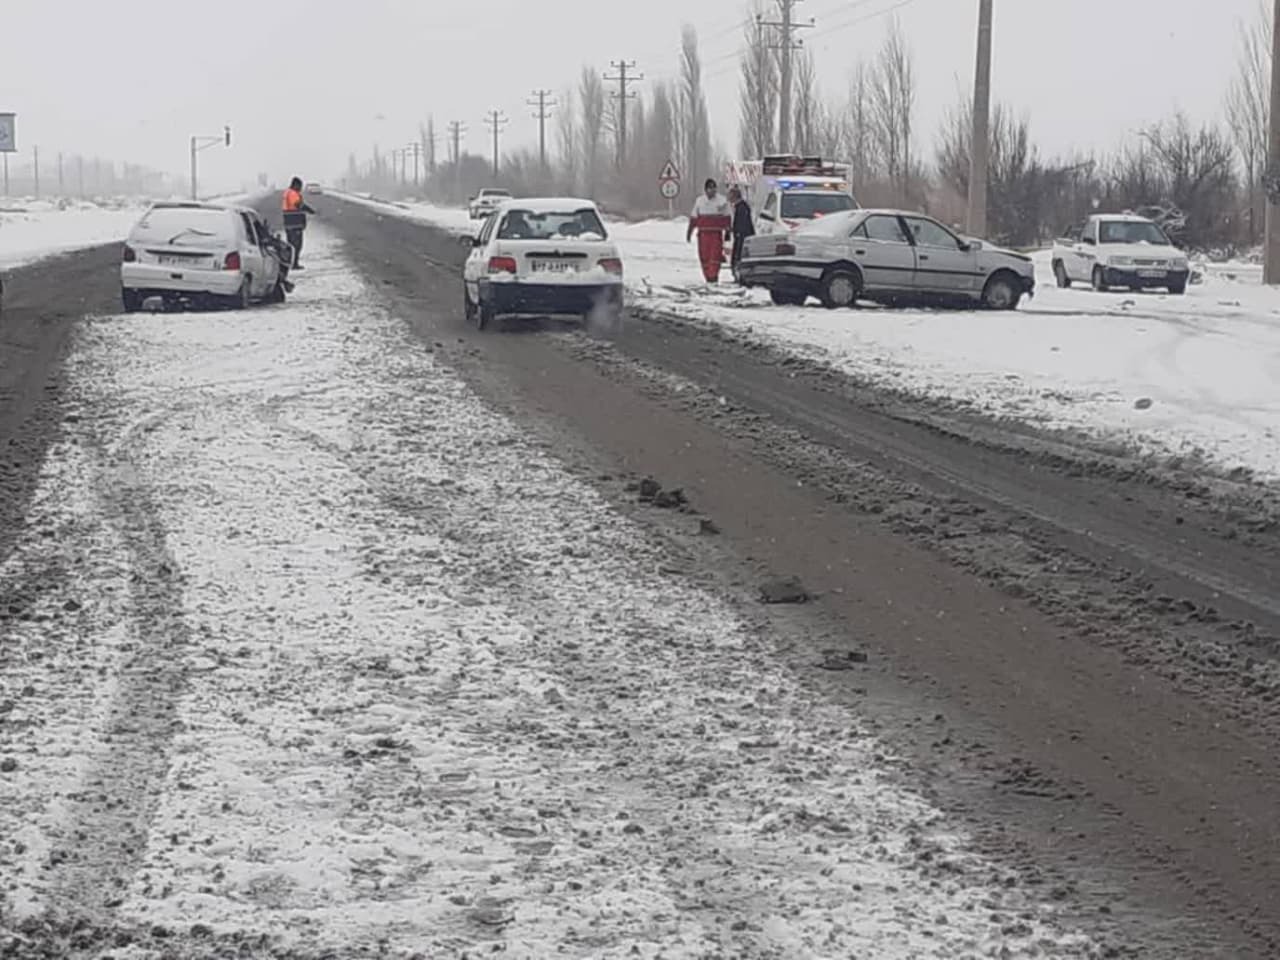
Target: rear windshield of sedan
176 226
806 206
567 224
1131 231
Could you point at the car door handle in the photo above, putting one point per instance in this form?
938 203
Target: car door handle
860 253
924 256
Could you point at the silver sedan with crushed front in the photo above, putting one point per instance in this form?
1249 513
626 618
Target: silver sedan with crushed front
886 256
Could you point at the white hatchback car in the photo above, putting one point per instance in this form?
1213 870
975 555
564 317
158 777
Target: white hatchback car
541 257
200 253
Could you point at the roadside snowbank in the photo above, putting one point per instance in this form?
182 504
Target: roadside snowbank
325 648
1195 375
31 229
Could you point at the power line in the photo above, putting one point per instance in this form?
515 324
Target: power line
544 106
787 44
622 96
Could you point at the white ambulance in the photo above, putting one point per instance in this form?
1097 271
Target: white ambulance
786 190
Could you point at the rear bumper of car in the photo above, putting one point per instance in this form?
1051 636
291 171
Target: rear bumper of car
778 274
508 297
178 281
1133 277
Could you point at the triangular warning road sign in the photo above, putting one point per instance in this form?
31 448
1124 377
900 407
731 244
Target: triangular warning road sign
669 172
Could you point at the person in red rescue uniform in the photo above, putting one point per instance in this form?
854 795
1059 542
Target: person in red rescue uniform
295 218
713 220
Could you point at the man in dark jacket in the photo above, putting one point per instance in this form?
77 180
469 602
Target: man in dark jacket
742 227
295 212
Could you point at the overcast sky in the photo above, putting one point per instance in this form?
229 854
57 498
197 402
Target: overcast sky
303 82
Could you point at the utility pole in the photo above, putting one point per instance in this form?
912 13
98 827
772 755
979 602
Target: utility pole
417 164
787 43
622 97
456 131
980 147
203 143
1271 268
496 122
544 112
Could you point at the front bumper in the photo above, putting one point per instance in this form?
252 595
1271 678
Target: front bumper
1133 277
179 281
510 297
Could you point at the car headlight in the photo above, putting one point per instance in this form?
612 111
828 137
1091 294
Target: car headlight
1180 263
1119 261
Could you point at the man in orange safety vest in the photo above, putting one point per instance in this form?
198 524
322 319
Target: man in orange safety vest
295 212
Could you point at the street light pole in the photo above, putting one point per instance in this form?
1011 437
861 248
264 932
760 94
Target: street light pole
204 143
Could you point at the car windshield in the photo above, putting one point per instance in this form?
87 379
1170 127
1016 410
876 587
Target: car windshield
1131 231
547 225
178 227
807 206
495 193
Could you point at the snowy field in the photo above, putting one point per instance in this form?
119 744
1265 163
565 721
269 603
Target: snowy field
31 229
303 640
1197 375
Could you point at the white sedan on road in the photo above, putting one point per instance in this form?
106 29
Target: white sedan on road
541 257
200 253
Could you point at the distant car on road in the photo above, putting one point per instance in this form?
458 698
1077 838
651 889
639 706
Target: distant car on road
1120 250
542 256
487 201
887 256
314 188
200 253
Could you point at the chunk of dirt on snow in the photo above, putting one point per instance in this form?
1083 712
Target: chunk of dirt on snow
1143 403
785 590
491 913
649 489
842 659
670 499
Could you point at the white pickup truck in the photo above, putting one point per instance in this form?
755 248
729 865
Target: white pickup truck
1119 250
486 201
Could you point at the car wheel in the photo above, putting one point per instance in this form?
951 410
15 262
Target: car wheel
787 298
1060 274
484 316
840 288
1001 293
278 293
468 308
131 299
242 299
1178 289
1100 280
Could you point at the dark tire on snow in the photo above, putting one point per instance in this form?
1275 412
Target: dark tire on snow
278 293
840 288
1002 292
484 316
1100 281
131 300
242 299
787 298
1178 289
1060 274
468 308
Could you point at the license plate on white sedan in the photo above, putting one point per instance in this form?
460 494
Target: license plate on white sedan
178 261
554 266
1151 273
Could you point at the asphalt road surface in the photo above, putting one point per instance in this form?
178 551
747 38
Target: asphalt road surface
1074 653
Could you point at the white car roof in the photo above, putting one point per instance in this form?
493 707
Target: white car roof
549 204
1121 218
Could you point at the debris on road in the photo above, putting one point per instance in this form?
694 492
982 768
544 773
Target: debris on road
784 590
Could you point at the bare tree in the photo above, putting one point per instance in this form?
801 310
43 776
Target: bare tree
758 89
1248 107
893 102
858 135
567 141
591 102
694 122
1197 173
806 106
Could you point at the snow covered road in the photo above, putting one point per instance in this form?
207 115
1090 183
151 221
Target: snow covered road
1192 377
33 229
307 650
